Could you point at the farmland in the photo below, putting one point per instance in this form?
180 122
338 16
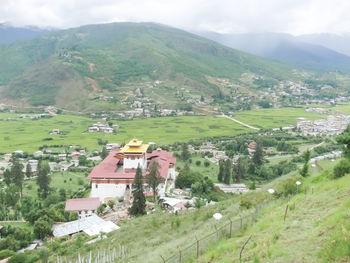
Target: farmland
28 135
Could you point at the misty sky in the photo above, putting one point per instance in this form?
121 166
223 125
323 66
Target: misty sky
224 16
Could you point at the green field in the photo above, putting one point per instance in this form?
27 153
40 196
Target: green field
275 118
28 135
70 181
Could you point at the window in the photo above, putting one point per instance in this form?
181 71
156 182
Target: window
96 185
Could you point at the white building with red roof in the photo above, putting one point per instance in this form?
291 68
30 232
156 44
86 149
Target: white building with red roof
114 176
83 206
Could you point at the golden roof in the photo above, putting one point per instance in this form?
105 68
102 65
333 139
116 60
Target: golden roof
135 146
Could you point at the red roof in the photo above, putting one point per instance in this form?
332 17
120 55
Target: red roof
82 204
107 168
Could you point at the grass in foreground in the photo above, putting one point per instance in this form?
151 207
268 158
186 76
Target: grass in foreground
316 228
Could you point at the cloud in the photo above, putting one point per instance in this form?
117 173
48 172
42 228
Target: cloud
229 16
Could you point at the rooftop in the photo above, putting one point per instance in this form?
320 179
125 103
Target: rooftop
135 146
82 204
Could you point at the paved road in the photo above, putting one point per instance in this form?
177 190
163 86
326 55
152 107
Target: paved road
239 122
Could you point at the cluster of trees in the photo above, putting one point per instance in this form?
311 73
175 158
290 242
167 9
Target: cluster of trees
237 171
343 167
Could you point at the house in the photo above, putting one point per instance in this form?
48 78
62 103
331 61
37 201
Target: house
252 147
93 129
75 155
178 191
114 176
108 130
83 206
112 146
18 152
55 132
62 156
90 225
38 154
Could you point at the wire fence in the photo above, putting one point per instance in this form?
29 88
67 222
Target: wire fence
201 245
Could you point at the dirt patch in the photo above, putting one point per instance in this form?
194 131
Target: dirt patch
91 66
93 84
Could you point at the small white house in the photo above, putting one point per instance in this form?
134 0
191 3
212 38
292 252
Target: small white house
83 206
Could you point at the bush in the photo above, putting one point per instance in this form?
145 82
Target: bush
206 163
342 168
198 162
246 203
6 253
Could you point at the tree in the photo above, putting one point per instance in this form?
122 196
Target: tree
82 160
138 206
111 203
258 155
185 154
185 179
12 195
221 170
305 170
43 179
153 178
344 139
17 174
28 170
239 169
104 153
227 171
42 227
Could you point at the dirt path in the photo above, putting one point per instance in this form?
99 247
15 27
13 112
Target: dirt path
93 84
239 122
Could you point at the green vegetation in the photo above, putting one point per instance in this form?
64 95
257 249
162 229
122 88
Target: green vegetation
315 230
66 67
275 118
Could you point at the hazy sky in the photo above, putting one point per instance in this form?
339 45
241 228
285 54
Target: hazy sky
225 16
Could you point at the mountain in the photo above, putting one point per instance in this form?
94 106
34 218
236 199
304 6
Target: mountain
69 68
337 42
286 48
10 34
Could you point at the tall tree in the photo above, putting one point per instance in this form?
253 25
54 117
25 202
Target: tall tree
43 179
138 206
17 174
104 153
305 170
239 169
227 171
153 178
28 170
185 154
258 155
221 170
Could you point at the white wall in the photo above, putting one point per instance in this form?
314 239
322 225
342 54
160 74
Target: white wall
108 191
129 163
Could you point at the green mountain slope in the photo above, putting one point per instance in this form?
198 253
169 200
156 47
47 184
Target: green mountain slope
118 58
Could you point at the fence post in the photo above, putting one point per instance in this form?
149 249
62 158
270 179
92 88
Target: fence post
285 213
230 227
162 258
241 221
197 246
245 243
179 254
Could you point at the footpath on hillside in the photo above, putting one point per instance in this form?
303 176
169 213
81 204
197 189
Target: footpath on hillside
239 122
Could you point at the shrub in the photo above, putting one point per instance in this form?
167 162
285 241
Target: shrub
246 203
342 168
206 163
198 162
6 253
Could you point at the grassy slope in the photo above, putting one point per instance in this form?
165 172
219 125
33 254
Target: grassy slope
313 231
306 236
36 70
